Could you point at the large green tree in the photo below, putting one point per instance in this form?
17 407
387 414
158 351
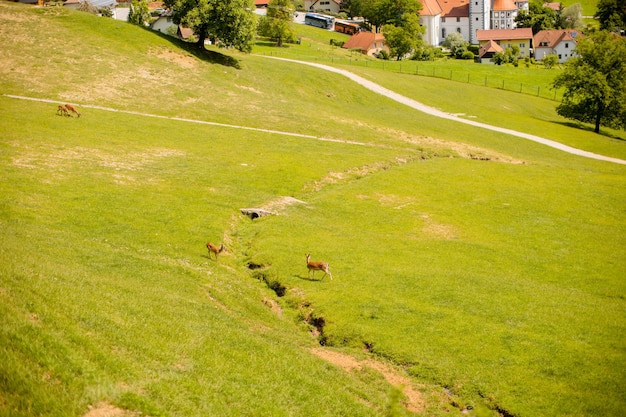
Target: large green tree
595 82
229 23
388 12
276 24
404 38
612 15
538 17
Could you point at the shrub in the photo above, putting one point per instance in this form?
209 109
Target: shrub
468 55
383 55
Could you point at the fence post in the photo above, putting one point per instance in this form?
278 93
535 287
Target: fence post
503 84
538 89
468 78
485 81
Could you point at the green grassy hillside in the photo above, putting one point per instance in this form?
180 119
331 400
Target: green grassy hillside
473 273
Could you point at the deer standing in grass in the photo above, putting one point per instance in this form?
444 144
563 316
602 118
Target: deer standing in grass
317 266
62 111
214 249
72 109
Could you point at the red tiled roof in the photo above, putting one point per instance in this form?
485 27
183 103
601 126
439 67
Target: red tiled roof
552 38
553 6
504 34
499 5
455 8
363 40
490 46
430 8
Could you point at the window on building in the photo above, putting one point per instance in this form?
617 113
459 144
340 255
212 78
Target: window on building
443 33
458 19
443 20
458 30
566 45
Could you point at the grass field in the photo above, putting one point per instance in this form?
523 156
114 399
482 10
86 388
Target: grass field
487 270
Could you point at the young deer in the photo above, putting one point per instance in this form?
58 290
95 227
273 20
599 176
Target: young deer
72 109
62 111
317 266
214 249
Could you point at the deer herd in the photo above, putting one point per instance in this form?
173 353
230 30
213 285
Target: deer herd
67 110
312 266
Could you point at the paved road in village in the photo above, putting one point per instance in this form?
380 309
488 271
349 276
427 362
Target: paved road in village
438 113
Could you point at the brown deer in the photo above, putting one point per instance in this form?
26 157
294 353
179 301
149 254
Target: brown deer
62 111
214 249
72 109
317 266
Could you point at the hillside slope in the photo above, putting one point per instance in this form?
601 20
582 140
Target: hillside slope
481 272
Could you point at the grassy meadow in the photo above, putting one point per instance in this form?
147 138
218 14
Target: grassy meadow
484 272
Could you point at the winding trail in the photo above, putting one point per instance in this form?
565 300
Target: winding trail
376 88
438 113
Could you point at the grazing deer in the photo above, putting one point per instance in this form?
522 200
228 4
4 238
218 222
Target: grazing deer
214 249
72 109
62 111
317 266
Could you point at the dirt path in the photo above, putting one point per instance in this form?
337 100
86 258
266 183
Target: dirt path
438 113
415 399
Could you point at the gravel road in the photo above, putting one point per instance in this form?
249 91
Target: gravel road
438 113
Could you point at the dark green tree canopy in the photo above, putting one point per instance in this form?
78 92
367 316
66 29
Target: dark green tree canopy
230 23
538 17
612 15
404 38
388 12
595 82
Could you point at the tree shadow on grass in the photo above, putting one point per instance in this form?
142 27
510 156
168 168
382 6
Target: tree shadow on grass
590 128
200 52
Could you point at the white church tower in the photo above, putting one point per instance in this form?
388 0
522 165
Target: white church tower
479 18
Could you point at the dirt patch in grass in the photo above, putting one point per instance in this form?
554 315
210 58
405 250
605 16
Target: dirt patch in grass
463 150
435 230
356 173
182 60
108 410
61 162
415 401
279 204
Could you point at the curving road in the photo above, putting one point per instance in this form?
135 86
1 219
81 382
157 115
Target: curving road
438 113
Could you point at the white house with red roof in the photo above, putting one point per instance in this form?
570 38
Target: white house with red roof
328 6
442 17
560 42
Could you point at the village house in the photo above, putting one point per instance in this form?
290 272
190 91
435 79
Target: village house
505 38
555 42
368 43
325 6
467 17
